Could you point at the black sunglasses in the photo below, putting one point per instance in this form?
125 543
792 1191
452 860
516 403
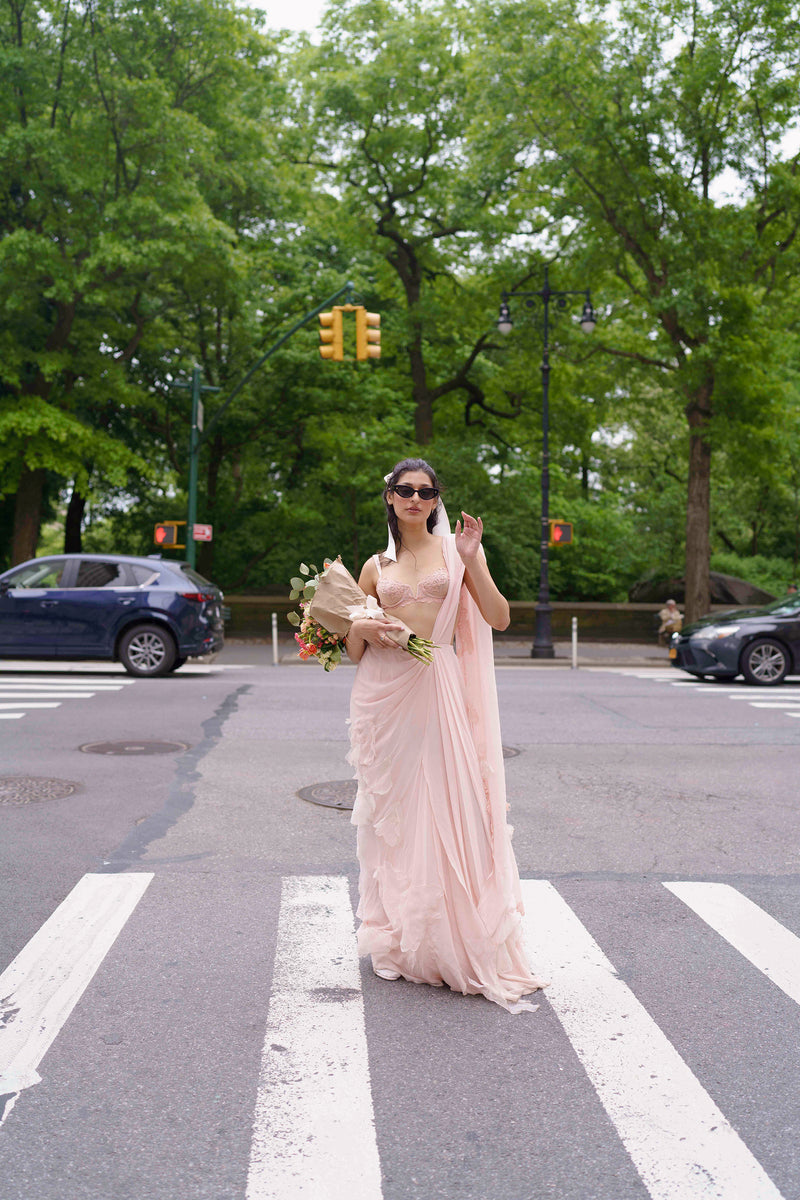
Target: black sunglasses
406 491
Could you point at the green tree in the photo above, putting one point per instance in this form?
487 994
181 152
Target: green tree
120 125
632 132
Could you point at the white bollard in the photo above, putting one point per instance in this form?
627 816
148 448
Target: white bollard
274 639
574 643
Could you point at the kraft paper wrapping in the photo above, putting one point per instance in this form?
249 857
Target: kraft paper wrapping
337 594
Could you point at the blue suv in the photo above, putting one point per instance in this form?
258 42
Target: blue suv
150 614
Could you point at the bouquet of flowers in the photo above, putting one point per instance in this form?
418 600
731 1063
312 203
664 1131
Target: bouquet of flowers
330 600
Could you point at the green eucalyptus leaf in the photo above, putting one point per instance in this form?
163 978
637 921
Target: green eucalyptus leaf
303 569
296 582
293 618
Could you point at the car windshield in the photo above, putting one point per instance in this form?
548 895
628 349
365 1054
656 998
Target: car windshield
786 604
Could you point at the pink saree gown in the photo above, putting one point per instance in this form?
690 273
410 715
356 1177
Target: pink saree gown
439 891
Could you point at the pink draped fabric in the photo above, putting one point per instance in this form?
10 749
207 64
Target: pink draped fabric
440 900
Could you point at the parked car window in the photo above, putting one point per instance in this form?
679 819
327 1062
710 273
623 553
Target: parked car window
101 574
37 575
144 576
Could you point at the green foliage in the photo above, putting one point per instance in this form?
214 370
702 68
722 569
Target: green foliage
177 187
771 574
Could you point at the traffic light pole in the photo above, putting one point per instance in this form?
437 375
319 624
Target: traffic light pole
198 436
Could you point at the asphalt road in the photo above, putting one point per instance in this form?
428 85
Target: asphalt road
667 1031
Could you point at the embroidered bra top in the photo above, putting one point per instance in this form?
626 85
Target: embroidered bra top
432 590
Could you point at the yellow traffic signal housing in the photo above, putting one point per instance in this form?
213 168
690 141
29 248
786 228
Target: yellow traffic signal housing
166 534
368 335
560 533
331 335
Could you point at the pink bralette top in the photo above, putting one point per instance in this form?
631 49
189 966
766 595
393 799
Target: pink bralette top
432 590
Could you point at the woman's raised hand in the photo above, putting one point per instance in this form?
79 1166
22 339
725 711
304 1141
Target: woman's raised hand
468 537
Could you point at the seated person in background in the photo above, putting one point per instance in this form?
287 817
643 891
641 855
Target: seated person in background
671 621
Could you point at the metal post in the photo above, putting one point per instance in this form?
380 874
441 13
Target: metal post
275 659
194 454
574 643
543 638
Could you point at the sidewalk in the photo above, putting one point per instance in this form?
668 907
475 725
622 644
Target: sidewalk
508 652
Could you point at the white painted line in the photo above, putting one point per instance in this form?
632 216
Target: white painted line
40 988
10 716
32 704
775 703
48 695
680 1142
762 940
74 685
314 1126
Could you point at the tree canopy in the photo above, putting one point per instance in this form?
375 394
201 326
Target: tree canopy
180 185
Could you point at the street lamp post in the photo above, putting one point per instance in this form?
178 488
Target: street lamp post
543 637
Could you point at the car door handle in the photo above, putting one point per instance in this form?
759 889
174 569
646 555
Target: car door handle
129 601
49 603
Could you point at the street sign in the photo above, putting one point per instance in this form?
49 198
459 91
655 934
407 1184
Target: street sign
202 533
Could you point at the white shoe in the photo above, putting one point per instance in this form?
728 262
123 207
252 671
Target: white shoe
386 974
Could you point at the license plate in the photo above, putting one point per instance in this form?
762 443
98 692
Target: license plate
673 653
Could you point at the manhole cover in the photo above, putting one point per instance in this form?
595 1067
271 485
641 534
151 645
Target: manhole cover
133 747
510 752
336 793
22 789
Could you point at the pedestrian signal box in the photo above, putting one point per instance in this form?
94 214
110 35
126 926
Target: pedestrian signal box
560 533
166 534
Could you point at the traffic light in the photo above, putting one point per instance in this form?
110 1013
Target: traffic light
368 335
560 533
330 335
166 534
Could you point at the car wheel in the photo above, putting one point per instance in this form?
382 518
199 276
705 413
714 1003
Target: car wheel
765 662
148 650
178 663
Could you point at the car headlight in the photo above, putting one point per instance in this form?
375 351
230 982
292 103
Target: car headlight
712 633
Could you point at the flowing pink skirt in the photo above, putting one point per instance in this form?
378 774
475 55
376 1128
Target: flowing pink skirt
439 889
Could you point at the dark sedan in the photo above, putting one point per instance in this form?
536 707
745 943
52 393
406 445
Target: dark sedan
150 614
763 644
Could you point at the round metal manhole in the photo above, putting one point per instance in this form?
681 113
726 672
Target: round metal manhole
341 793
133 746
25 789
336 793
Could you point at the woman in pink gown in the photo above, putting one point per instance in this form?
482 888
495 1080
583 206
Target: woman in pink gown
439 889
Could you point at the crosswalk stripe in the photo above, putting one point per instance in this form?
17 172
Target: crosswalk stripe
48 695
10 716
680 1142
33 704
34 686
762 940
40 988
314 1126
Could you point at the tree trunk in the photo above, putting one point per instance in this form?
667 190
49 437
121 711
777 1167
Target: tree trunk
73 543
27 515
698 509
